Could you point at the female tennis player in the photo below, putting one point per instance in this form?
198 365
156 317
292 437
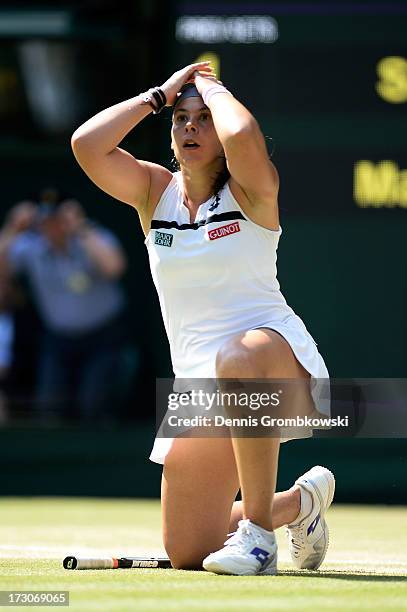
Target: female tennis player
212 231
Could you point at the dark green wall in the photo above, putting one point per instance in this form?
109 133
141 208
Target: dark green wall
115 463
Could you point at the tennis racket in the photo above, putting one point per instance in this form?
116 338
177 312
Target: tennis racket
82 563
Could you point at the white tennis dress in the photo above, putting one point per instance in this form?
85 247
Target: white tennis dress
217 277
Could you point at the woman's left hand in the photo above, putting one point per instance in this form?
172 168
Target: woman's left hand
203 82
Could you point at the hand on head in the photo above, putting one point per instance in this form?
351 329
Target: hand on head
203 81
188 74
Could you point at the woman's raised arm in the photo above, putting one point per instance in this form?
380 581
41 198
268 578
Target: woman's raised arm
115 171
246 154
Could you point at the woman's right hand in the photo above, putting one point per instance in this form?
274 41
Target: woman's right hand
172 86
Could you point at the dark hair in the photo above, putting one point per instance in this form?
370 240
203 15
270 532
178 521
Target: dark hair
221 178
188 90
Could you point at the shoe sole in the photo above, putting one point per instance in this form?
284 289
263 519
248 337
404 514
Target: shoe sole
330 478
216 568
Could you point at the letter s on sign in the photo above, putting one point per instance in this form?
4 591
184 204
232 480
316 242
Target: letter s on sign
392 86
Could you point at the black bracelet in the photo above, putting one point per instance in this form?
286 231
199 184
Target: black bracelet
148 99
156 98
161 94
159 98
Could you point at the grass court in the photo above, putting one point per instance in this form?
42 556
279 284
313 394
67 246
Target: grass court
365 568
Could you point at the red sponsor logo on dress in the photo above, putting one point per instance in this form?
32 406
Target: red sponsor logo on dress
224 230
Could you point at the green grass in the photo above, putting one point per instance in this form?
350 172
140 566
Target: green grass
365 568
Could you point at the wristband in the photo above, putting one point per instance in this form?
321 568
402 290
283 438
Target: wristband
156 98
159 98
215 89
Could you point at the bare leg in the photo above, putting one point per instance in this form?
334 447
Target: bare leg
199 487
261 354
257 468
200 477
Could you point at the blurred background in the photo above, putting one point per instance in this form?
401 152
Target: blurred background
328 85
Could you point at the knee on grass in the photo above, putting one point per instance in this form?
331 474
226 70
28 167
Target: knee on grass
186 560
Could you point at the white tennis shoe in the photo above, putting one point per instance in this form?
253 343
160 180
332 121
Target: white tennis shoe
250 551
308 537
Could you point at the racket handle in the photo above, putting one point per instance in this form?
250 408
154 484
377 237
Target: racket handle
73 563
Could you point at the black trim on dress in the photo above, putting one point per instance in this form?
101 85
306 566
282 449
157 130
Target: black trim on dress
227 216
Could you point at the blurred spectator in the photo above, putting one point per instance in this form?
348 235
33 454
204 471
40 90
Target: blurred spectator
6 340
73 267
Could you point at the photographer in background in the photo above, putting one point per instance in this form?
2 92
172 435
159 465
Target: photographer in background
73 267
